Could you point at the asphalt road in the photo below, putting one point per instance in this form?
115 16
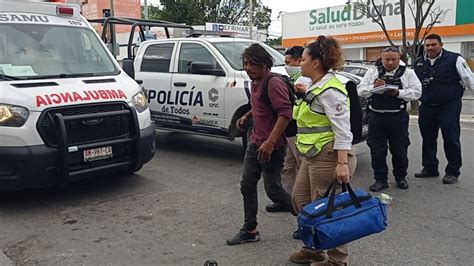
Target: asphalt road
180 208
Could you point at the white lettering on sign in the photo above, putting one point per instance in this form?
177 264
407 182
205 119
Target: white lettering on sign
82 96
27 18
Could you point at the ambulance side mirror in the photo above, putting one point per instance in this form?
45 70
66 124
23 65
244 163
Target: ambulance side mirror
127 65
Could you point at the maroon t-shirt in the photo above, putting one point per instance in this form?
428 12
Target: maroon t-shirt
264 118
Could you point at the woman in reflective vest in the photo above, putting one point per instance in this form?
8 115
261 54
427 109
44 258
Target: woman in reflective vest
324 138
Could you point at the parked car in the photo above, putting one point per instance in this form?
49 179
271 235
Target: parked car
357 69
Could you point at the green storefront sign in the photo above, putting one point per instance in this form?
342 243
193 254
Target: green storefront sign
464 12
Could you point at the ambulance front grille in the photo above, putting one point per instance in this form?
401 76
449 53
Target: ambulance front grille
85 131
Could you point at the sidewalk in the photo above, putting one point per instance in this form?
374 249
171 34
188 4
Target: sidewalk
465 121
4 260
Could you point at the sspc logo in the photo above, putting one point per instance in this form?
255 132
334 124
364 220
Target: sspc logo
213 97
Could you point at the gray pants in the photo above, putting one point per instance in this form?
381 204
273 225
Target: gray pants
271 172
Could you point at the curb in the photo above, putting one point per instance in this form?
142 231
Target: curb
465 121
4 260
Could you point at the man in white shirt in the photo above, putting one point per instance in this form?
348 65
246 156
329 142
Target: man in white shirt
389 87
444 75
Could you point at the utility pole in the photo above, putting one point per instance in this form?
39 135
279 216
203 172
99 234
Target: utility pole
145 7
251 19
112 29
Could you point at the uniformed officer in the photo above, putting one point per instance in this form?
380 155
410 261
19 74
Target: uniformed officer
444 76
388 118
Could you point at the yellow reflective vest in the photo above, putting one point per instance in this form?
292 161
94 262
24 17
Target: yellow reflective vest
314 129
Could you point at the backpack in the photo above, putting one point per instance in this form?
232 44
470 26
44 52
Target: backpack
292 129
355 109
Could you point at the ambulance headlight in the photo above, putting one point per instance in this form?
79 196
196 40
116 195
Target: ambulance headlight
12 116
139 101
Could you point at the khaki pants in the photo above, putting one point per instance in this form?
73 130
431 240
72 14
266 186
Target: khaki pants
314 177
291 166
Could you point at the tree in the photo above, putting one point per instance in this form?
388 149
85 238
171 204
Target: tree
274 41
154 12
423 12
197 12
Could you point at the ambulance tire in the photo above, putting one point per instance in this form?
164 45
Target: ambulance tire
132 170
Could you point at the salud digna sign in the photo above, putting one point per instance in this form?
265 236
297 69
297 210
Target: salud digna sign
349 13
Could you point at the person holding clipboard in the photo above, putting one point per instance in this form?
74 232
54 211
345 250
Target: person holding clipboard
389 87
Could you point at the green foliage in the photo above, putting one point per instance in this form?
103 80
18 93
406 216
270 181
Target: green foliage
274 41
198 12
154 12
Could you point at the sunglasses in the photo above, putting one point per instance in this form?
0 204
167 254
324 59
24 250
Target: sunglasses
391 49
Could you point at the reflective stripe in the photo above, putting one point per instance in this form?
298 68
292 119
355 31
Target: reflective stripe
311 130
311 152
309 97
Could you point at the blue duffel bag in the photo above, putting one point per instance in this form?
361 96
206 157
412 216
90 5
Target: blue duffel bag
335 220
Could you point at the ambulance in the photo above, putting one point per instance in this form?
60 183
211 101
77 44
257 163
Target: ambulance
67 109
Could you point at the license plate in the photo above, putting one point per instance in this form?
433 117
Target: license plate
97 154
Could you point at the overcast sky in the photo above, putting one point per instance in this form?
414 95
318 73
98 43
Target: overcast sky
278 6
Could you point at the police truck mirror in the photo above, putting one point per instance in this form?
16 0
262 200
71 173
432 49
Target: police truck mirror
204 68
127 66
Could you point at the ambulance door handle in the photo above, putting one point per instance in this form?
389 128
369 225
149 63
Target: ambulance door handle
180 84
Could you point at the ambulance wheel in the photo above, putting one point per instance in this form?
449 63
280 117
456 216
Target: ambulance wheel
132 170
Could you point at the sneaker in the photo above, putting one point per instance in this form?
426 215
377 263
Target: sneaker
296 234
378 186
243 236
278 207
450 179
402 184
306 256
425 173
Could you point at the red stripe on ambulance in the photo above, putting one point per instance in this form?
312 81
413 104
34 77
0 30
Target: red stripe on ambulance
84 96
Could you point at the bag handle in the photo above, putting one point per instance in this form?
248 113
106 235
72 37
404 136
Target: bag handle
326 194
345 186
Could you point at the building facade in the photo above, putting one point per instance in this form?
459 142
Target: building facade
362 38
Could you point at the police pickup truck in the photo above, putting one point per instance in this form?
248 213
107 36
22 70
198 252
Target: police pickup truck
67 110
198 84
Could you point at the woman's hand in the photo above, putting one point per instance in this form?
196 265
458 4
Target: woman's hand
301 88
342 173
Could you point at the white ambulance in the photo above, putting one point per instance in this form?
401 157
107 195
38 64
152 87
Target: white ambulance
67 109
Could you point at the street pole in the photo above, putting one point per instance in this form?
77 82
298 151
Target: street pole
251 19
112 29
146 14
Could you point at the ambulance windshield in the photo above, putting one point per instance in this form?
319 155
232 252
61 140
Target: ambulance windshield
33 51
232 51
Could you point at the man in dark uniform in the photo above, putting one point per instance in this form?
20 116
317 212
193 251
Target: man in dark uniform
388 118
444 76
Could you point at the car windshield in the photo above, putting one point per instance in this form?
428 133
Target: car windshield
29 51
232 51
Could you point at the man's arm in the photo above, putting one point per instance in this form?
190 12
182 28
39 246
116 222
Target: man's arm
280 100
411 87
465 73
278 129
367 83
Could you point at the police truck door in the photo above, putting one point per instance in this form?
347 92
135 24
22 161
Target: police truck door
155 71
198 89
